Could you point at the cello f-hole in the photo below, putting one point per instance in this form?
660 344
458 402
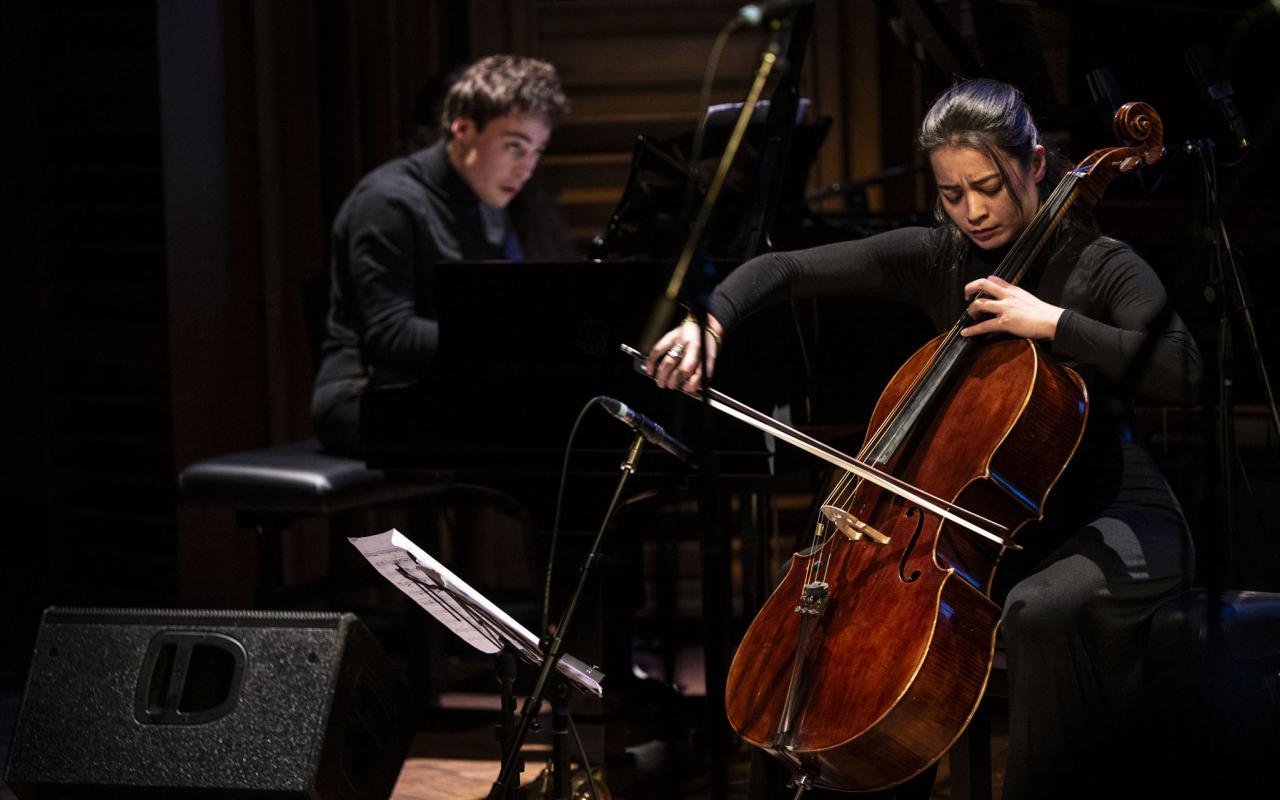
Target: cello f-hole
914 511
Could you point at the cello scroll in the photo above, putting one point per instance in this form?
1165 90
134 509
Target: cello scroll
1134 122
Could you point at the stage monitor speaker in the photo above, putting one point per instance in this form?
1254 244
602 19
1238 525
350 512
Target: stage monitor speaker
146 703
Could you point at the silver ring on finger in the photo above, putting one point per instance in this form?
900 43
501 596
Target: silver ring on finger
676 351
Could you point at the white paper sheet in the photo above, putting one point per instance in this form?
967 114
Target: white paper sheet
461 608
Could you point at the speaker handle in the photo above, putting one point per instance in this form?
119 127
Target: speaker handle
188 678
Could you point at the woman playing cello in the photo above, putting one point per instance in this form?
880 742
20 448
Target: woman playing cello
1113 543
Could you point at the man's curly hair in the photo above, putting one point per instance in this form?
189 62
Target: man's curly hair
497 85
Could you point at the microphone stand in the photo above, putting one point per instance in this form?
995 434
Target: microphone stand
553 650
715 545
506 727
1227 289
660 317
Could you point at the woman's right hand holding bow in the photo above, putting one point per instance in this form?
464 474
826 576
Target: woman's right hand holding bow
675 362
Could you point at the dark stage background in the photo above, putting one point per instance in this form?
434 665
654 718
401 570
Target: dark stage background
170 171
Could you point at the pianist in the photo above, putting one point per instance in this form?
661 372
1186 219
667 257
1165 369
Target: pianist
462 199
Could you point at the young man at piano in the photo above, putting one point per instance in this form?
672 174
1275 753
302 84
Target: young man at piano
462 199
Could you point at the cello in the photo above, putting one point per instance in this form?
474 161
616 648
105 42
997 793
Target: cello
871 656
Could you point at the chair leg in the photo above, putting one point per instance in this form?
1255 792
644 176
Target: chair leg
270 586
970 760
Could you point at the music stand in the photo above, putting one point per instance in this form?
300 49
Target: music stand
473 617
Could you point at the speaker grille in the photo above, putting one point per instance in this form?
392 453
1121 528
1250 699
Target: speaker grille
78 724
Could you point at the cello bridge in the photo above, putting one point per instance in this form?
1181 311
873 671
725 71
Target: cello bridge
851 526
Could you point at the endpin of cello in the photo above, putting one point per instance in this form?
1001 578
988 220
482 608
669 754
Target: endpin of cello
851 526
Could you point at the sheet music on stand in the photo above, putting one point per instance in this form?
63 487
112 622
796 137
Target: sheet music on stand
462 609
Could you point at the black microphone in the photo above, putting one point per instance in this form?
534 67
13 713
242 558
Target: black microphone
753 14
650 430
1105 92
1219 92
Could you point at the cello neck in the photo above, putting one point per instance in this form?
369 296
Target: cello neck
1030 243
883 446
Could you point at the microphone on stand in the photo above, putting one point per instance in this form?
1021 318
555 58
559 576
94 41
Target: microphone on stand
1106 94
753 14
650 430
1219 92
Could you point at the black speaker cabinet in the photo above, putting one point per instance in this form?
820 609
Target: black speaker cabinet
144 703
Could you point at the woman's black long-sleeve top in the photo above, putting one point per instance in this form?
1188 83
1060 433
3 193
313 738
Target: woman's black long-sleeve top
1118 329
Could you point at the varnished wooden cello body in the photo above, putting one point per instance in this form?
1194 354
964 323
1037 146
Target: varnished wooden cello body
870 657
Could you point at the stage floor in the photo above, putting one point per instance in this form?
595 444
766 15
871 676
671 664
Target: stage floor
462 765
455 757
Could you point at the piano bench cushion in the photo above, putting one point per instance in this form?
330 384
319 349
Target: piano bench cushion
294 479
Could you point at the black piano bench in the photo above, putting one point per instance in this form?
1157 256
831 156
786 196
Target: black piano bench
271 487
